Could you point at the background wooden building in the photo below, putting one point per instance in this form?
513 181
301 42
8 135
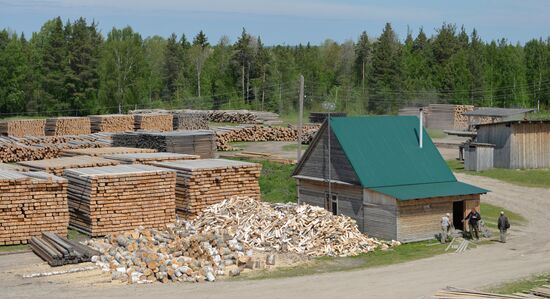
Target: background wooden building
379 176
488 115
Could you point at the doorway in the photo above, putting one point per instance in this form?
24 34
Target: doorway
458 215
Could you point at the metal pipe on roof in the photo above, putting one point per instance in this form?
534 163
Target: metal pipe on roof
420 128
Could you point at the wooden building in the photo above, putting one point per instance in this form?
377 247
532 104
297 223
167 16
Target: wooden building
518 144
478 156
379 175
489 115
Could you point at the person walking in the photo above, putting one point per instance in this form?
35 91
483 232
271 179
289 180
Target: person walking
445 227
473 223
503 226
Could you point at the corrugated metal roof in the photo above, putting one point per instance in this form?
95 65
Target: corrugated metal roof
409 192
497 112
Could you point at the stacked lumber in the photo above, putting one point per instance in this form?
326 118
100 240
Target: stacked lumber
226 135
153 122
461 120
23 127
190 120
103 151
58 250
31 203
57 166
104 200
148 158
225 116
13 167
458 293
302 229
67 126
201 143
111 123
320 117
201 183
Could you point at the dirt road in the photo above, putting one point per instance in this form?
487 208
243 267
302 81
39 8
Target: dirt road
527 252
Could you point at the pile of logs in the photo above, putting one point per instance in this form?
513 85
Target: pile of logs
226 135
103 151
67 126
148 158
201 183
153 122
57 166
225 116
302 229
30 203
23 127
111 123
461 120
201 143
190 120
457 293
104 200
58 250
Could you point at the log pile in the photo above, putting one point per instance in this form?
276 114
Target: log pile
105 200
60 126
31 203
226 135
201 143
104 151
461 120
148 158
153 122
57 166
225 116
458 293
111 123
201 183
23 127
189 120
58 250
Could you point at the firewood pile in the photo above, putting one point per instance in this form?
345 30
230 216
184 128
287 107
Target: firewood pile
58 250
153 122
111 123
148 158
190 120
105 200
23 127
458 293
104 151
226 135
201 143
201 183
461 120
60 126
57 166
30 203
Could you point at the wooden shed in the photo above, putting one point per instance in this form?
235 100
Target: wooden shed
489 115
518 144
379 175
478 156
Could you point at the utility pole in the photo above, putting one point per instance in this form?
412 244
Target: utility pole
300 116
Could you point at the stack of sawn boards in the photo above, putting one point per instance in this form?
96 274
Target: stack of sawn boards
148 158
103 151
68 126
201 183
111 123
153 122
184 120
31 203
58 250
58 165
23 127
105 200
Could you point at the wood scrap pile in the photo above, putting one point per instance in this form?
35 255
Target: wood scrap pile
67 126
153 122
201 183
31 203
190 120
57 166
104 200
458 293
226 135
111 123
303 229
58 250
103 151
148 158
23 127
461 120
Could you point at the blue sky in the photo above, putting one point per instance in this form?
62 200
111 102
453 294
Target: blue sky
288 21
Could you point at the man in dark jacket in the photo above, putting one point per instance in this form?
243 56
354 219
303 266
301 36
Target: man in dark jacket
473 223
503 226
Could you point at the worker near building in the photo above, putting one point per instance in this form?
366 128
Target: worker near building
445 227
503 226
473 223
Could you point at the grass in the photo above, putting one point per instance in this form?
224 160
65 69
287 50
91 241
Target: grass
292 118
541 115
490 214
522 285
71 235
294 147
523 177
436 133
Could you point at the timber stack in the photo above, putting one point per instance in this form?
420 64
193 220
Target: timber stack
104 151
105 200
201 183
13 151
31 203
60 126
58 250
461 120
189 120
57 166
23 127
226 135
225 116
148 158
153 122
111 123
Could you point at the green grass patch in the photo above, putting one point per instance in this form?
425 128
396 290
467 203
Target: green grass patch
522 285
436 133
490 214
294 147
523 177
292 118
541 115
14 248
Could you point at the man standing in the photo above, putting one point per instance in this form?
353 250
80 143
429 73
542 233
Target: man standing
445 227
473 223
503 226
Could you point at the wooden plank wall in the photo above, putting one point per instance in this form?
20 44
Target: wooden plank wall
380 215
530 147
478 158
500 135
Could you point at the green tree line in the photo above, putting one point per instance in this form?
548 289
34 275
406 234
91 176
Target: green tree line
71 68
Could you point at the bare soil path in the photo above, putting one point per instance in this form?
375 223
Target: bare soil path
526 253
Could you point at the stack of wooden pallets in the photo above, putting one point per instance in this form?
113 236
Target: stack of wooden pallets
112 123
103 151
148 158
201 183
31 203
58 165
105 200
153 122
67 126
23 127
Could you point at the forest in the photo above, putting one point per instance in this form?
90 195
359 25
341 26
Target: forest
71 68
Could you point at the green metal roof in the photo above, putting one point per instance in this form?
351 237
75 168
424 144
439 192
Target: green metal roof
408 192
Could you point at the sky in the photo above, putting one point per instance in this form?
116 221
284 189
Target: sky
289 21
